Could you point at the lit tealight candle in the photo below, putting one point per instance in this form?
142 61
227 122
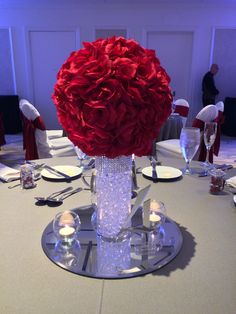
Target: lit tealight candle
66 231
154 218
155 206
66 218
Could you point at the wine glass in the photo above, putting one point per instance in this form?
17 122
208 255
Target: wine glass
209 135
189 143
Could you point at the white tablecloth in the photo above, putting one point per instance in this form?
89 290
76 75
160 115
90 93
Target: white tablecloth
171 128
201 279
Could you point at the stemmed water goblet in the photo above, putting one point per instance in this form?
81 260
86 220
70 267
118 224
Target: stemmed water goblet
189 143
209 135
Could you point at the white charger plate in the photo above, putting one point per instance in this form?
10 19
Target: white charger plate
163 172
71 171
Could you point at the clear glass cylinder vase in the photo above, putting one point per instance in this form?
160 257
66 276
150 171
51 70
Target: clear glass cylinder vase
113 194
112 257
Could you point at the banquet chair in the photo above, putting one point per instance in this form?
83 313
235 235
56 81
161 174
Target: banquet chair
2 136
51 134
35 138
182 108
207 114
220 120
171 148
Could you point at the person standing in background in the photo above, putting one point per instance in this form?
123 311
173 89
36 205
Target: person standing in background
209 90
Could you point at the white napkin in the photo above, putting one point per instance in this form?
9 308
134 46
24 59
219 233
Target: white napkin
8 174
231 182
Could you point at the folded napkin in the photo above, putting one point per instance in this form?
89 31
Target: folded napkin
8 174
231 182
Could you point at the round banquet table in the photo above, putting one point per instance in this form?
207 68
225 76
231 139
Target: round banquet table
201 279
171 128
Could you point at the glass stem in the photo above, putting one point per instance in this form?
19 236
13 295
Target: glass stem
207 155
187 167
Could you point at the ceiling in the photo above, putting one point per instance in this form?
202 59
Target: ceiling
58 3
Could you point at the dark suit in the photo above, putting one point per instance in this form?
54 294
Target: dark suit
209 91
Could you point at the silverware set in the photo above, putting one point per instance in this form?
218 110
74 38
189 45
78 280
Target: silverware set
57 172
223 167
43 200
57 198
153 162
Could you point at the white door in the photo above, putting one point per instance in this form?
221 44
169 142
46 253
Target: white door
174 49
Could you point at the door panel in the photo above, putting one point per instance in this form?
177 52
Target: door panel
174 49
48 51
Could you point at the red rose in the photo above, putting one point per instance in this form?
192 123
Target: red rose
112 97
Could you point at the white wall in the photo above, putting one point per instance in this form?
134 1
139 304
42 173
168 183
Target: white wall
46 32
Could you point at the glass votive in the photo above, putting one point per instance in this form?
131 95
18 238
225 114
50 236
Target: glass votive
157 213
66 226
217 181
27 176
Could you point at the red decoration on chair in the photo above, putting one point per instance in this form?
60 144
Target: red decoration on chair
197 123
207 114
182 110
220 120
2 131
29 142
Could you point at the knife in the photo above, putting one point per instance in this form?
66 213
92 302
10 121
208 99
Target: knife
57 172
154 171
224 167
134 177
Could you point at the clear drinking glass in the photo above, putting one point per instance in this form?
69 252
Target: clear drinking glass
189 143
81 156
66 226
210 129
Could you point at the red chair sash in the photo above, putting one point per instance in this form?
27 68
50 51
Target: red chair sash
29 142
2 132
197 123
220 120
182 110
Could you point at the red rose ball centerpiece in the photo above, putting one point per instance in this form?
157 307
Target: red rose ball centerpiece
112 97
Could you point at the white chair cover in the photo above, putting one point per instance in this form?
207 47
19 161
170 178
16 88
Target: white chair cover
31 113
182 108
220 106
208 113
46 147
220 120
28 110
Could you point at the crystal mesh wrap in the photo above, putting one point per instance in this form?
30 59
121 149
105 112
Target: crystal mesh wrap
113 193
